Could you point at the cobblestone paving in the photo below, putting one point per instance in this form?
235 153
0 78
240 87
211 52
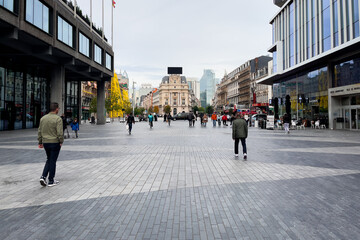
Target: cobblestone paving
182 183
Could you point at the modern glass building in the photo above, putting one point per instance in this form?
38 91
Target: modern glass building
316 56
46 51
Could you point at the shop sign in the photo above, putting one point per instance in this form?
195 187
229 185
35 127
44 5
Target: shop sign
346 90
260 104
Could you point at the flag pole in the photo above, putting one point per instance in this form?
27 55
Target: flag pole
112 24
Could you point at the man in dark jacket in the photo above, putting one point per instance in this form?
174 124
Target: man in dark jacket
190 118
130 121
240 133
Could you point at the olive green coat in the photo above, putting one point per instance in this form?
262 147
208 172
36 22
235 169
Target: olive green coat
239 128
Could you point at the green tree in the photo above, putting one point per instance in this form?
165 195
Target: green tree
167 109
201 109
93 105
209 109
128 110
195 109
112 103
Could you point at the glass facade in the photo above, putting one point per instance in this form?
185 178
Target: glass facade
274 62
65 32
84 45
355 8
8 4
336 23
325 14
308 33
72 103
38 14
308 95
291 35
97 54
347 73
23 99
313 27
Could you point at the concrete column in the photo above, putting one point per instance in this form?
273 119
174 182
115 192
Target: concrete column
57 87
100 102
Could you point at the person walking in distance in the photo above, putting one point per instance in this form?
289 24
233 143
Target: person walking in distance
189 118
214 118
130 121
240 133
75 128
51 138
286 120
193 119
224 119
65 124
151 118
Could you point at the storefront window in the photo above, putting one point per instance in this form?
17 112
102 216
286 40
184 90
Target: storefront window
29 101
19 100
307 95
72 105
2 98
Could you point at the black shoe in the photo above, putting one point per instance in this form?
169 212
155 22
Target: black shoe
43 181
245 156
54 183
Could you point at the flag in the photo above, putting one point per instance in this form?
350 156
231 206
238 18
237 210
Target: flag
113 3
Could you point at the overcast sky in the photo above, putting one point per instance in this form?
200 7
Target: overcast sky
151 35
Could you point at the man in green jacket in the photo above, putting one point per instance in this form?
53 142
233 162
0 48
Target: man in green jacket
50 137
240 133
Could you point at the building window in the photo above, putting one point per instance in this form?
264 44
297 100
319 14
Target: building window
84 45
108 61
325 14
97 54
347 8
174 102
38 14
291 35
308 33
313 26
8 4
183 102
355 8
336 23
65 32
274 62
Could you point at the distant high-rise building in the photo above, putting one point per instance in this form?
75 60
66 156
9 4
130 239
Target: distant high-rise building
123 79
145 89
194 85
207 87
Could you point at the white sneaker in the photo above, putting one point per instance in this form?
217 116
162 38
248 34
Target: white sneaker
245 156
236 155
53 183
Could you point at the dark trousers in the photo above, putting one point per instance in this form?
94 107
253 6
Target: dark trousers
130 127
52 152
243 143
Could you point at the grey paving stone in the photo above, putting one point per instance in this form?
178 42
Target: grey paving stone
183 183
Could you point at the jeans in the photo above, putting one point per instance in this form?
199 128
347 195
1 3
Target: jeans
52 152
243 143
130 127
286 127
214 123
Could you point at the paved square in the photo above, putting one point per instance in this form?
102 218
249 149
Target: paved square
176 182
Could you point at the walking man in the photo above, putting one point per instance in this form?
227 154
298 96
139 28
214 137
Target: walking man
214 118
286 123
240 133
151 118
130 121
50 137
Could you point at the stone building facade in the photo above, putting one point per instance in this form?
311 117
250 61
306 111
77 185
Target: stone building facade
174 91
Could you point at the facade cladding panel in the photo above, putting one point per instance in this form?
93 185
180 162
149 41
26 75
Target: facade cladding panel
320 48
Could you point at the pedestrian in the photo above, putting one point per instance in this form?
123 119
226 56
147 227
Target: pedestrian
190 118
50 137
169 117
130 121
214 118
205 119
286 120
151 118
65 124
75 127
155 117
224 119
219 119
165 115
240 133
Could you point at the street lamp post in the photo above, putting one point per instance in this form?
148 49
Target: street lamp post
133 97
